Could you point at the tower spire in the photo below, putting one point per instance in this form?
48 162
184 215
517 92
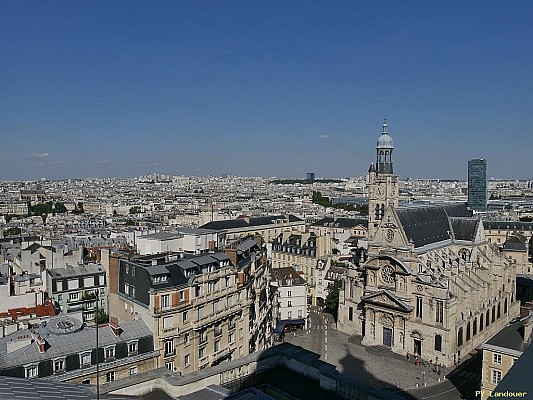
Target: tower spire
384 132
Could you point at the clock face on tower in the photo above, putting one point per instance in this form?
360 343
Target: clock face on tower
380 191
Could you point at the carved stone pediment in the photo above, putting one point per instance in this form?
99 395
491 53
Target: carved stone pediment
387 299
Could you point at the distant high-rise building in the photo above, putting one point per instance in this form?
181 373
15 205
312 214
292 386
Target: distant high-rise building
310 176
477 184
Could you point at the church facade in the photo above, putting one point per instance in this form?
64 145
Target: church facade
432 284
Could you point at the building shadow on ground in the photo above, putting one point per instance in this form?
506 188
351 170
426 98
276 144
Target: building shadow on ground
355 368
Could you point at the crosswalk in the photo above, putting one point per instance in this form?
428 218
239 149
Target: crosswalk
317 327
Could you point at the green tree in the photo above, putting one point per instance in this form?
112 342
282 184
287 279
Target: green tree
101 317
135 210
331 304
60 208
526 219
12 231
130 222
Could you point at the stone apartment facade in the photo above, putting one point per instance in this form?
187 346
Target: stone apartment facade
432 284
303 253
78 289
203 310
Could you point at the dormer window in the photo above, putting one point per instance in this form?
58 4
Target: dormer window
160 278
31 371
85 359
109 353
59 365
133 347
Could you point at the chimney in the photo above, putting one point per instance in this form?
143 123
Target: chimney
527 325
114 327
41 344
258 239
232 254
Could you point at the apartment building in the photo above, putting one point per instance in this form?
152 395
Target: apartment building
180 240
346 233
301 252
203 310
78 289
268 227
502 350
63 349
291 294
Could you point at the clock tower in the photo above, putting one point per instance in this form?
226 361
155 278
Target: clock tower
382 183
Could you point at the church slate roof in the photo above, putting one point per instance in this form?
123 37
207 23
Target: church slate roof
464 228
457 210
425 225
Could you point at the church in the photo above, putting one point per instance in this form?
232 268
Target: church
432 284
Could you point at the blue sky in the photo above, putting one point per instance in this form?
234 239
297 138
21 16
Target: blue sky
255 88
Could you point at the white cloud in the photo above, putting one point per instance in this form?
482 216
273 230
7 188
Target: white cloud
324 137
39 155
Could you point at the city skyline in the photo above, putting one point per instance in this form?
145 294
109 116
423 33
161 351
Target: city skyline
125 89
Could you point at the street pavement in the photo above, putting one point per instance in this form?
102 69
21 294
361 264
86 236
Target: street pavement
377 365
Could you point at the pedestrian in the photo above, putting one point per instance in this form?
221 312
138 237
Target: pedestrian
408 356
417 362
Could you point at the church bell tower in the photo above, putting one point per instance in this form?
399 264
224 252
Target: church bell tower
382 183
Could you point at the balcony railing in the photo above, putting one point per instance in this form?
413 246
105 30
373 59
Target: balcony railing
159 310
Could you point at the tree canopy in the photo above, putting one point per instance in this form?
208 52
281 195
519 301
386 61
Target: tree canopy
331 304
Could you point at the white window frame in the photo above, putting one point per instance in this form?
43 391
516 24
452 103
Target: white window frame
63 366
111 376
31 371
109 352
496 376
171 349
82 356
187 360
133 347
165 301
134 370
496 358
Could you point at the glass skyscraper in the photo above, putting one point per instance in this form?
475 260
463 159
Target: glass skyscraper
477 184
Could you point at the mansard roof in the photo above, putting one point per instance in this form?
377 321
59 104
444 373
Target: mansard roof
342 222
464 228
249 222
508 225
425 225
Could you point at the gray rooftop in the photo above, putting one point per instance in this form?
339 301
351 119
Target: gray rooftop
37 389
65 335
425 225
511 337
81 270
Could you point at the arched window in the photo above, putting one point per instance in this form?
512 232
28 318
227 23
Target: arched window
460 337
487 321
474 327
438 342
499 310
468 331
505 306
481 323
493 313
